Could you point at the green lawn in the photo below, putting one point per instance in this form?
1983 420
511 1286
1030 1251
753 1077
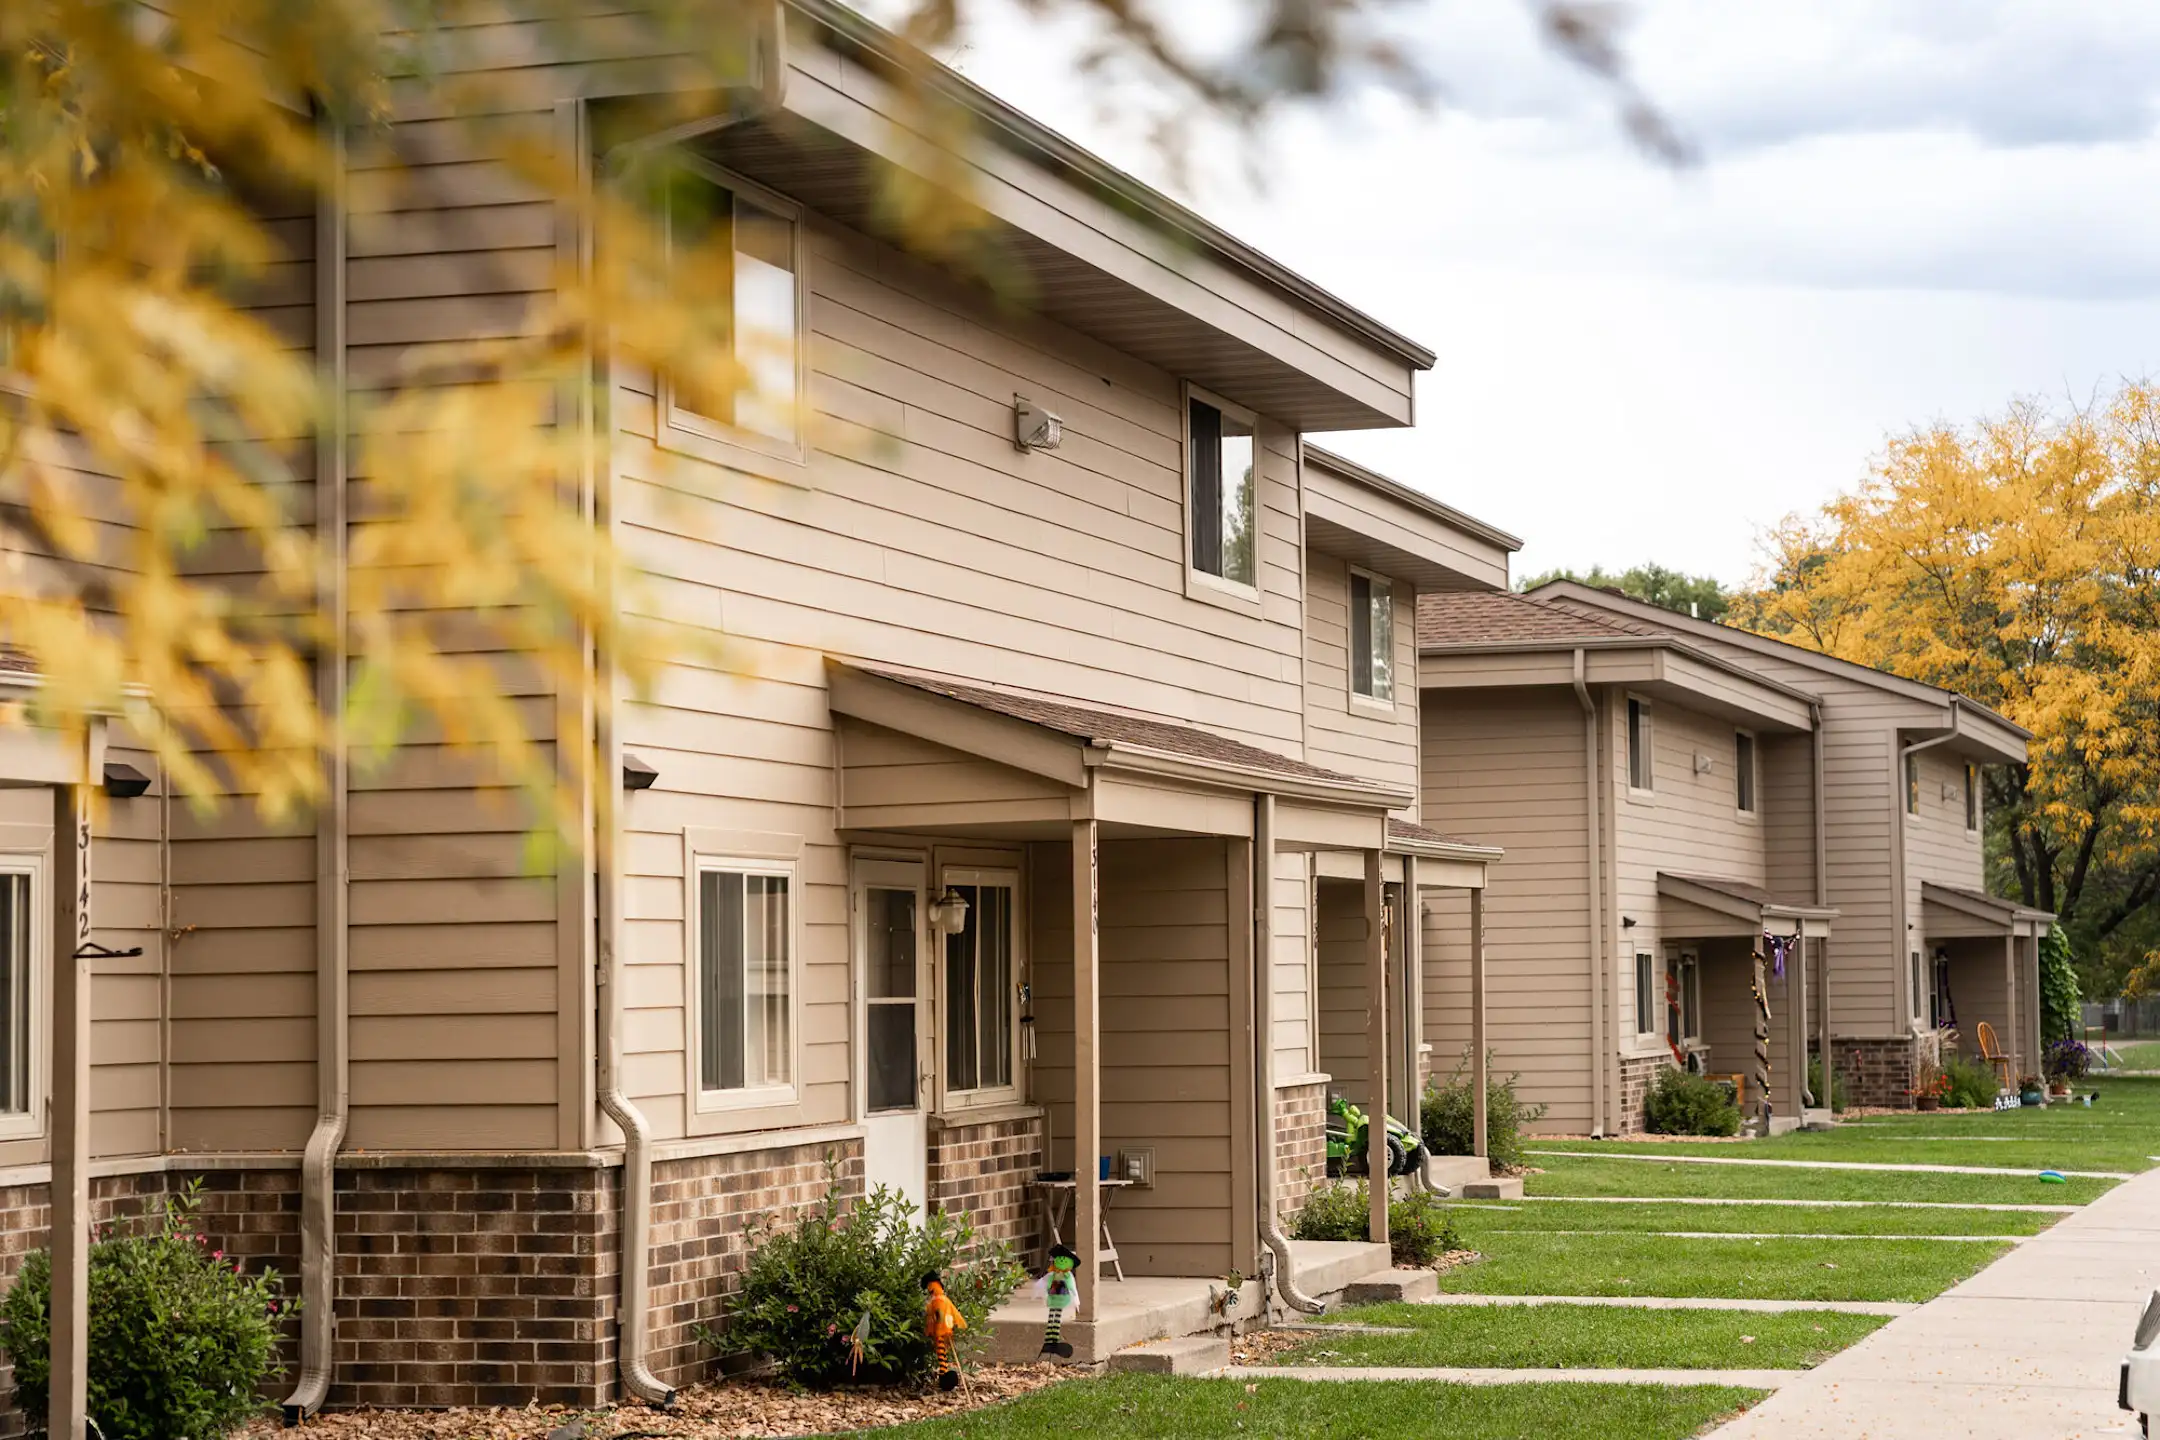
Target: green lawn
2125 1154
1149 1407
2138 1055
1565 1176
1522 1262
1475 1217
1585 1336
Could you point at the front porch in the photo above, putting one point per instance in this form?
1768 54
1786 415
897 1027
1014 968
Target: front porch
1981 965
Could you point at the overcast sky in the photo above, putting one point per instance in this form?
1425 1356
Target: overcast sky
1905 211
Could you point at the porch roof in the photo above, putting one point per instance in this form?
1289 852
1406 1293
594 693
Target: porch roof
1738 903
1952 911
1407 838
1098 761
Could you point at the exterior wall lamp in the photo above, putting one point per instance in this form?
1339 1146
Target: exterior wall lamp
948 913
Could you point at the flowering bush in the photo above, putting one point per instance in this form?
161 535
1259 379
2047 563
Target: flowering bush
1934 1082
181 1337
809 1287
2068 1060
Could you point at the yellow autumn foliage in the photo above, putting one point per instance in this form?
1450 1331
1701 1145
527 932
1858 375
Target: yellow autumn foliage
2017 562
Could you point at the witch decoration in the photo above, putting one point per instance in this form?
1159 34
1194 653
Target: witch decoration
1060 1287
941 1318
1779 948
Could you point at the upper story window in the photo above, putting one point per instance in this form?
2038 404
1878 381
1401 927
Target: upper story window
1640 770
22 995
1372 636
1912 784
745 992
1972 797
1744 772
736 247
1220 518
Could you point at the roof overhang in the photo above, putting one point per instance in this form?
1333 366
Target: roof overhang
1368 519
1659 669
1974 732
1745 910
1066 236
1445 862
1950 913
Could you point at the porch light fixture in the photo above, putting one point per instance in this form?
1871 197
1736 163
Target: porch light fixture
1703 763
948 913
1035 428
636 774
124 781
1627 922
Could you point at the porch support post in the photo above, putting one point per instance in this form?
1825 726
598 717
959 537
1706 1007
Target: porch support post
1821 953
70 1392
2010 1001
1376 1048
1796 1022
1087 1063
1477 1021
1412 988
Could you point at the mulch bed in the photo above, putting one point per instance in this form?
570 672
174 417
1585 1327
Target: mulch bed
747 1408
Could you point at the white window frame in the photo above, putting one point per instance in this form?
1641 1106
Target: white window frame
761 1097
1747 779
679 428
1920 970
30 1124
1200 584
1647 989
1637 704
1972 798
950 1100
1379 704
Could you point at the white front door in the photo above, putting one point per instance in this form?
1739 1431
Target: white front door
892 995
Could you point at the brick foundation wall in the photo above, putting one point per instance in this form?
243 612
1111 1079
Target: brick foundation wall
986 1171
1878 1070
251 1215
1300 1146
1637 1072
488 1286
701 1213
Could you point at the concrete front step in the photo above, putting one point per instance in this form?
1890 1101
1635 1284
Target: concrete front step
1456 1171
1385 1286
1501 1187
1186 1355
1325 1268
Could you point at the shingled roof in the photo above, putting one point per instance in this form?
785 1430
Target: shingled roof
1457 618
1109 727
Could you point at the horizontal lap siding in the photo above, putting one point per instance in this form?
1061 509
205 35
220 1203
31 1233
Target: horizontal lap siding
1296 993
456 986
1348 736
1938 847
127 1006
1507 767
1788 814
1166 1076
1339 918
915 535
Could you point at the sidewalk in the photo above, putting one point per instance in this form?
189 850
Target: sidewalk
2028 1349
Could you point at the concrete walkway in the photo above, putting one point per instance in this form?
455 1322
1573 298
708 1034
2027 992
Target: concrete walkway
1749 1379
1671 1302
1779 1235
2028 1349
1828 1164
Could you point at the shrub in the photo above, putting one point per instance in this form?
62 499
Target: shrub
181 1339
1447 1117
1838 1098
2062 1016
2068 1060
1421 1228
807 1288
1972 1084
1684 1104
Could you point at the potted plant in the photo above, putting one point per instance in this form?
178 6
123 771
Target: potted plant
1933 1089
2029 1091
2067 1059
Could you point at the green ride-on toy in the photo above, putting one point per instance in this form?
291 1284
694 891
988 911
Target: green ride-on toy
1346 1141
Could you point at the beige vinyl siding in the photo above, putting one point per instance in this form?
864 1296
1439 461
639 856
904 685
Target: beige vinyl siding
1728 1001
1339 917
1938 847
1788 814
1507 768
241 987
914 535
1295 1019
128 996
1164 988
1349 734
1980 990
453 932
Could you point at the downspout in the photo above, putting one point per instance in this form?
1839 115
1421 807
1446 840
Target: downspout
1263 918
1600 972
596 485
318 1163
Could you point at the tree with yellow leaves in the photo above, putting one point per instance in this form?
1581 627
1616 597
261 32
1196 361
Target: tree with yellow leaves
2016 561
162 553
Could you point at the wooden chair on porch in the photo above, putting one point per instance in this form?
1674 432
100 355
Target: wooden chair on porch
1991 1052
